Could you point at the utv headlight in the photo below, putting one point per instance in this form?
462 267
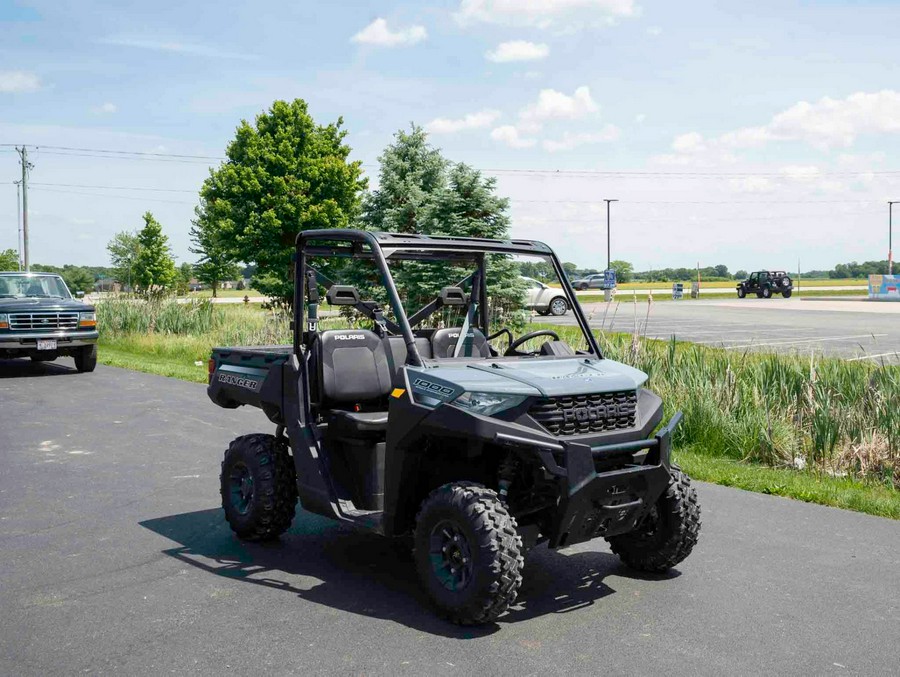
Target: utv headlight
488 404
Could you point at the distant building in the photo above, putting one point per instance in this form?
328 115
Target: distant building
107 284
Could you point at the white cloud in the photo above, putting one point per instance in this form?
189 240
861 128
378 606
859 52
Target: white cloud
518 50
377 33
640 118
654 31
692 142
177 47
510 136
800 172
553 105
541 13
570 141
483 118
13 82
827 123
752 184
106 108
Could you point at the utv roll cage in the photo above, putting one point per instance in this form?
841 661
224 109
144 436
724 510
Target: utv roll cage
380 247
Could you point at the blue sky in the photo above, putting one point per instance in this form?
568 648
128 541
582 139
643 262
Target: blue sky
745 134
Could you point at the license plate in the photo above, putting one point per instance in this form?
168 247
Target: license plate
46 344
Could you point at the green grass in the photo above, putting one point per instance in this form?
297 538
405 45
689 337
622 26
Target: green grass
838 492
116 354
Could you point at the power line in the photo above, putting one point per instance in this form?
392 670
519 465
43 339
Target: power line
514 200
129 152
115 197
141 188
147 155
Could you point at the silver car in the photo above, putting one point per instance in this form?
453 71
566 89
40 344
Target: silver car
543 299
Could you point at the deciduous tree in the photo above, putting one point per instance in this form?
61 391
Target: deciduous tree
284 174
216 262
123 251
9 259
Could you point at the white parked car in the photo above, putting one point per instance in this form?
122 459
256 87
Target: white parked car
543 299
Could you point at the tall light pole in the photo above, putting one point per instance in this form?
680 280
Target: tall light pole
19 221
891 204
26 165
608 238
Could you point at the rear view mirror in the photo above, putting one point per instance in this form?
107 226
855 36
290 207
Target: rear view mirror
342 295
79 294
453 296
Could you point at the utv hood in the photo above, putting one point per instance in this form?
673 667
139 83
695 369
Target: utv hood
537 377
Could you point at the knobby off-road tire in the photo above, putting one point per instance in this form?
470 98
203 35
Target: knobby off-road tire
668 534
86 358
767 292
258 487
468 553
787 293
741 293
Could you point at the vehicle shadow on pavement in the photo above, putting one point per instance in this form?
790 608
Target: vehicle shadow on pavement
369 575
28 369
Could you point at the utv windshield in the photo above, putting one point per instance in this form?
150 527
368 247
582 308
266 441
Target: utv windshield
33 286
499 304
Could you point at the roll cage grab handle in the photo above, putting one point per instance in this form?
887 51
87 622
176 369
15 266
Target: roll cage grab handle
360 238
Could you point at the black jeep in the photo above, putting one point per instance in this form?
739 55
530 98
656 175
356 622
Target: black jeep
764 283
40 319
442 425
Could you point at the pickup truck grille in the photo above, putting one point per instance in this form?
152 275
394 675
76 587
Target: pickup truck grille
581 414
43 321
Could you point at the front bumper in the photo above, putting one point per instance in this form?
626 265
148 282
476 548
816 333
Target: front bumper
64 339
601 503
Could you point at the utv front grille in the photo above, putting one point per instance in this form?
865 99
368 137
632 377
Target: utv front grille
581 414
42 321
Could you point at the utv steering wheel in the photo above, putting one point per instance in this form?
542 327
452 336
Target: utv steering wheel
527 337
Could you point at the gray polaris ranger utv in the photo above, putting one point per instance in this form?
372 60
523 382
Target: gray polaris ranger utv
439 424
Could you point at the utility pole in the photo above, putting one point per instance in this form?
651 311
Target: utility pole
608 238
23 156
19 222
891 204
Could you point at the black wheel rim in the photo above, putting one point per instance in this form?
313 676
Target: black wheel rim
451 558
240 488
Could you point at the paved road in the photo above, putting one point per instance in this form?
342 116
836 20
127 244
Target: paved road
116 559
857 330
625 294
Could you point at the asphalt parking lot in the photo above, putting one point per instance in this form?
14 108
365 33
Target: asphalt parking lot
849 329
115 558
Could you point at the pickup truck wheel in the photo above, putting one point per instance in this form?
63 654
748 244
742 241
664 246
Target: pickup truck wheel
741 292
258 487
468 552
86 358
558 306
668 534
